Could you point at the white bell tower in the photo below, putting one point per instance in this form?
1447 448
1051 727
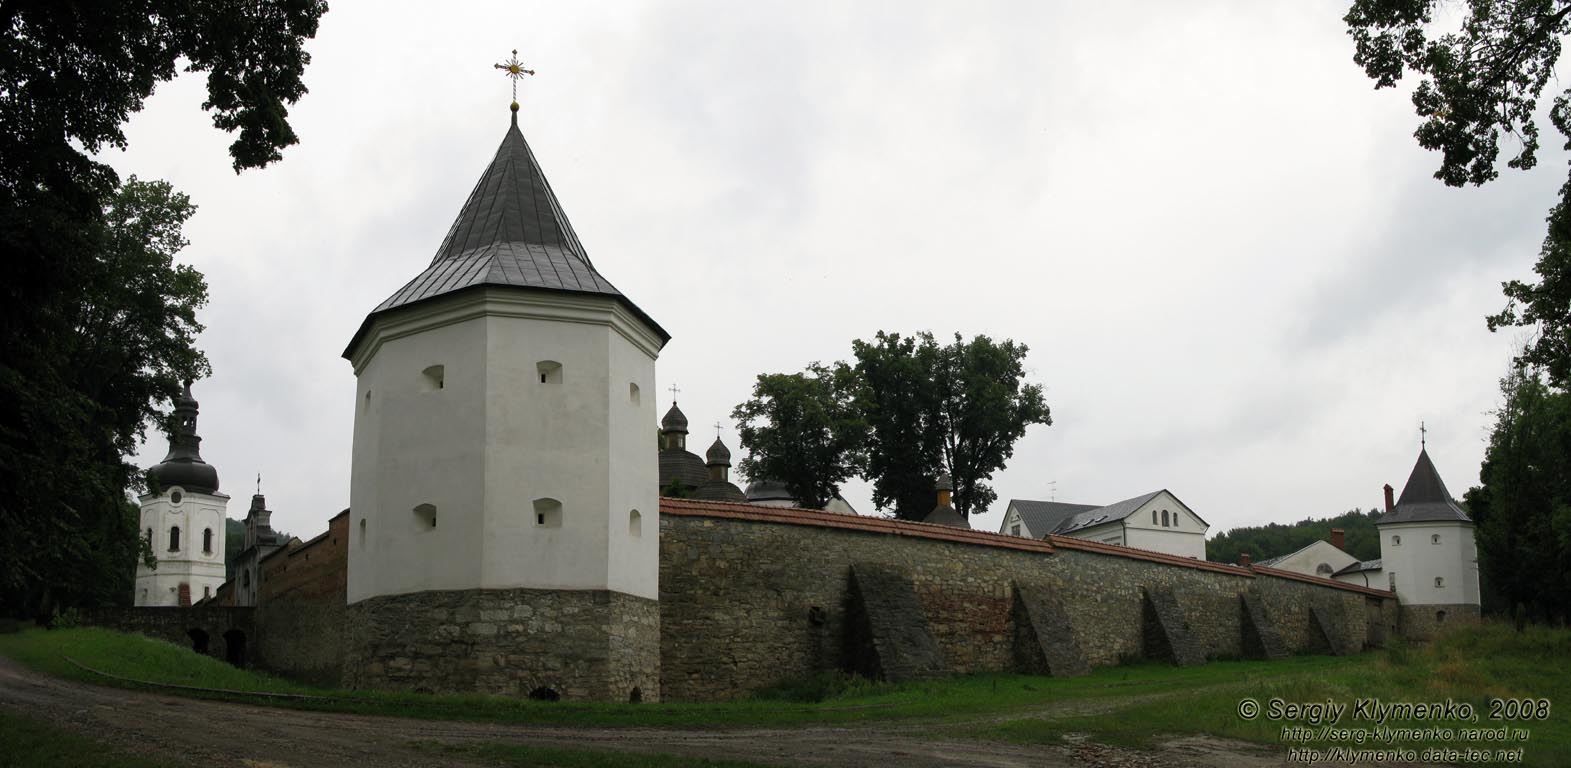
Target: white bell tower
183 518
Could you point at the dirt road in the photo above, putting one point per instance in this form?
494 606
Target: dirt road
207 733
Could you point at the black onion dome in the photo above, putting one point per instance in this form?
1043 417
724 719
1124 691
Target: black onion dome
675 420
768 490
719 454
184 466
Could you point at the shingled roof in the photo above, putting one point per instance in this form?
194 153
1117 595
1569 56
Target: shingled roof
1044 517
511 232
1424 498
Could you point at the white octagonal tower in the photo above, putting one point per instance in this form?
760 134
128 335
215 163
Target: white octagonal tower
182 515
504 518
1428 555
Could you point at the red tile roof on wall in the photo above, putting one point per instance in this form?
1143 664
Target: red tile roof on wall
1149 555
1322 581
815 518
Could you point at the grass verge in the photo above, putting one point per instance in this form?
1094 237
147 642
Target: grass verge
29 743
548 757
1472 666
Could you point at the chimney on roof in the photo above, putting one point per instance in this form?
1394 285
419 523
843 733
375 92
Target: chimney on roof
1338 538
1243 559
1390 504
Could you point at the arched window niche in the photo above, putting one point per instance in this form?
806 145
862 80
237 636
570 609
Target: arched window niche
635 524
548 513
425 515
550 371
174 538
433 378
633 394
207 541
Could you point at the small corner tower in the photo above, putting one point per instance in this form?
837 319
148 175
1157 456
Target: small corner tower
182 517
504 529
1428 554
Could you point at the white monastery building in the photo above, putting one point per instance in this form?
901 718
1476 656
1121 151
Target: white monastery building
182 518
1155 521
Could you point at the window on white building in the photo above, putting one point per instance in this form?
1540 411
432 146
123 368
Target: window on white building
635 524
1440 582
1434 538
1164 518
1014 530
550 371
1396 541
633 395
174 538
207 541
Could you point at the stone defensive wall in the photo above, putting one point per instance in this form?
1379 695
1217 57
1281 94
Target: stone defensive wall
300 607
753 595
224 633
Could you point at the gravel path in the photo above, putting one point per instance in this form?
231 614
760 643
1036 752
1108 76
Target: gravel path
209 733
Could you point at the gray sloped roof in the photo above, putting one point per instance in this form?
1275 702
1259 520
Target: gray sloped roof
720 490
511 232
1044 517
945 514
1100 515
1424 498
1359 567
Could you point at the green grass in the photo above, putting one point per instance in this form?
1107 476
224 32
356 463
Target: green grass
1471 665
1144 703
548 757
29 743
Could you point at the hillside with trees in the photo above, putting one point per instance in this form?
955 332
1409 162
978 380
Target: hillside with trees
1276 539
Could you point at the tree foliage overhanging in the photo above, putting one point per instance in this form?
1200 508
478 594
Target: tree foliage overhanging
96 323
1522 509
907 411
1480 83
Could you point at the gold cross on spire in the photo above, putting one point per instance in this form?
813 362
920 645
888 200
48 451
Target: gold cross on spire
515 72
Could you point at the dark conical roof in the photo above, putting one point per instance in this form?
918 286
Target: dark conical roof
1424 498
675 420
511 232
183 466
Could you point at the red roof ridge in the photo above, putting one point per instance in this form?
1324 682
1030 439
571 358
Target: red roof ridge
1266 570
1135 553
820 519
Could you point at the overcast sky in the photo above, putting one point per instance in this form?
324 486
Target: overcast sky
1236 276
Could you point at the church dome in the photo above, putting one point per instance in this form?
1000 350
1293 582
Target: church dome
683 465
183 466
768 490
719 454
674 420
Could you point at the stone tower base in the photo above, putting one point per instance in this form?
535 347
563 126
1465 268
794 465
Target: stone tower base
594 645
1426 622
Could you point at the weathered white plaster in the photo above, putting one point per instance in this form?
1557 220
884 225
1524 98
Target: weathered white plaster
494 439
1417 561
202 569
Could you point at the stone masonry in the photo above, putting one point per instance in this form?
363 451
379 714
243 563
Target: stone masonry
597 645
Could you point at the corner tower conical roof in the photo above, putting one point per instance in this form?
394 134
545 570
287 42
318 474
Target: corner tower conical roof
1424 498
511 232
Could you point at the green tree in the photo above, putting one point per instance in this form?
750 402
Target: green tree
72 400
802 429
897 394
984 406
132 331
1480 82
1276 539
1522 509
